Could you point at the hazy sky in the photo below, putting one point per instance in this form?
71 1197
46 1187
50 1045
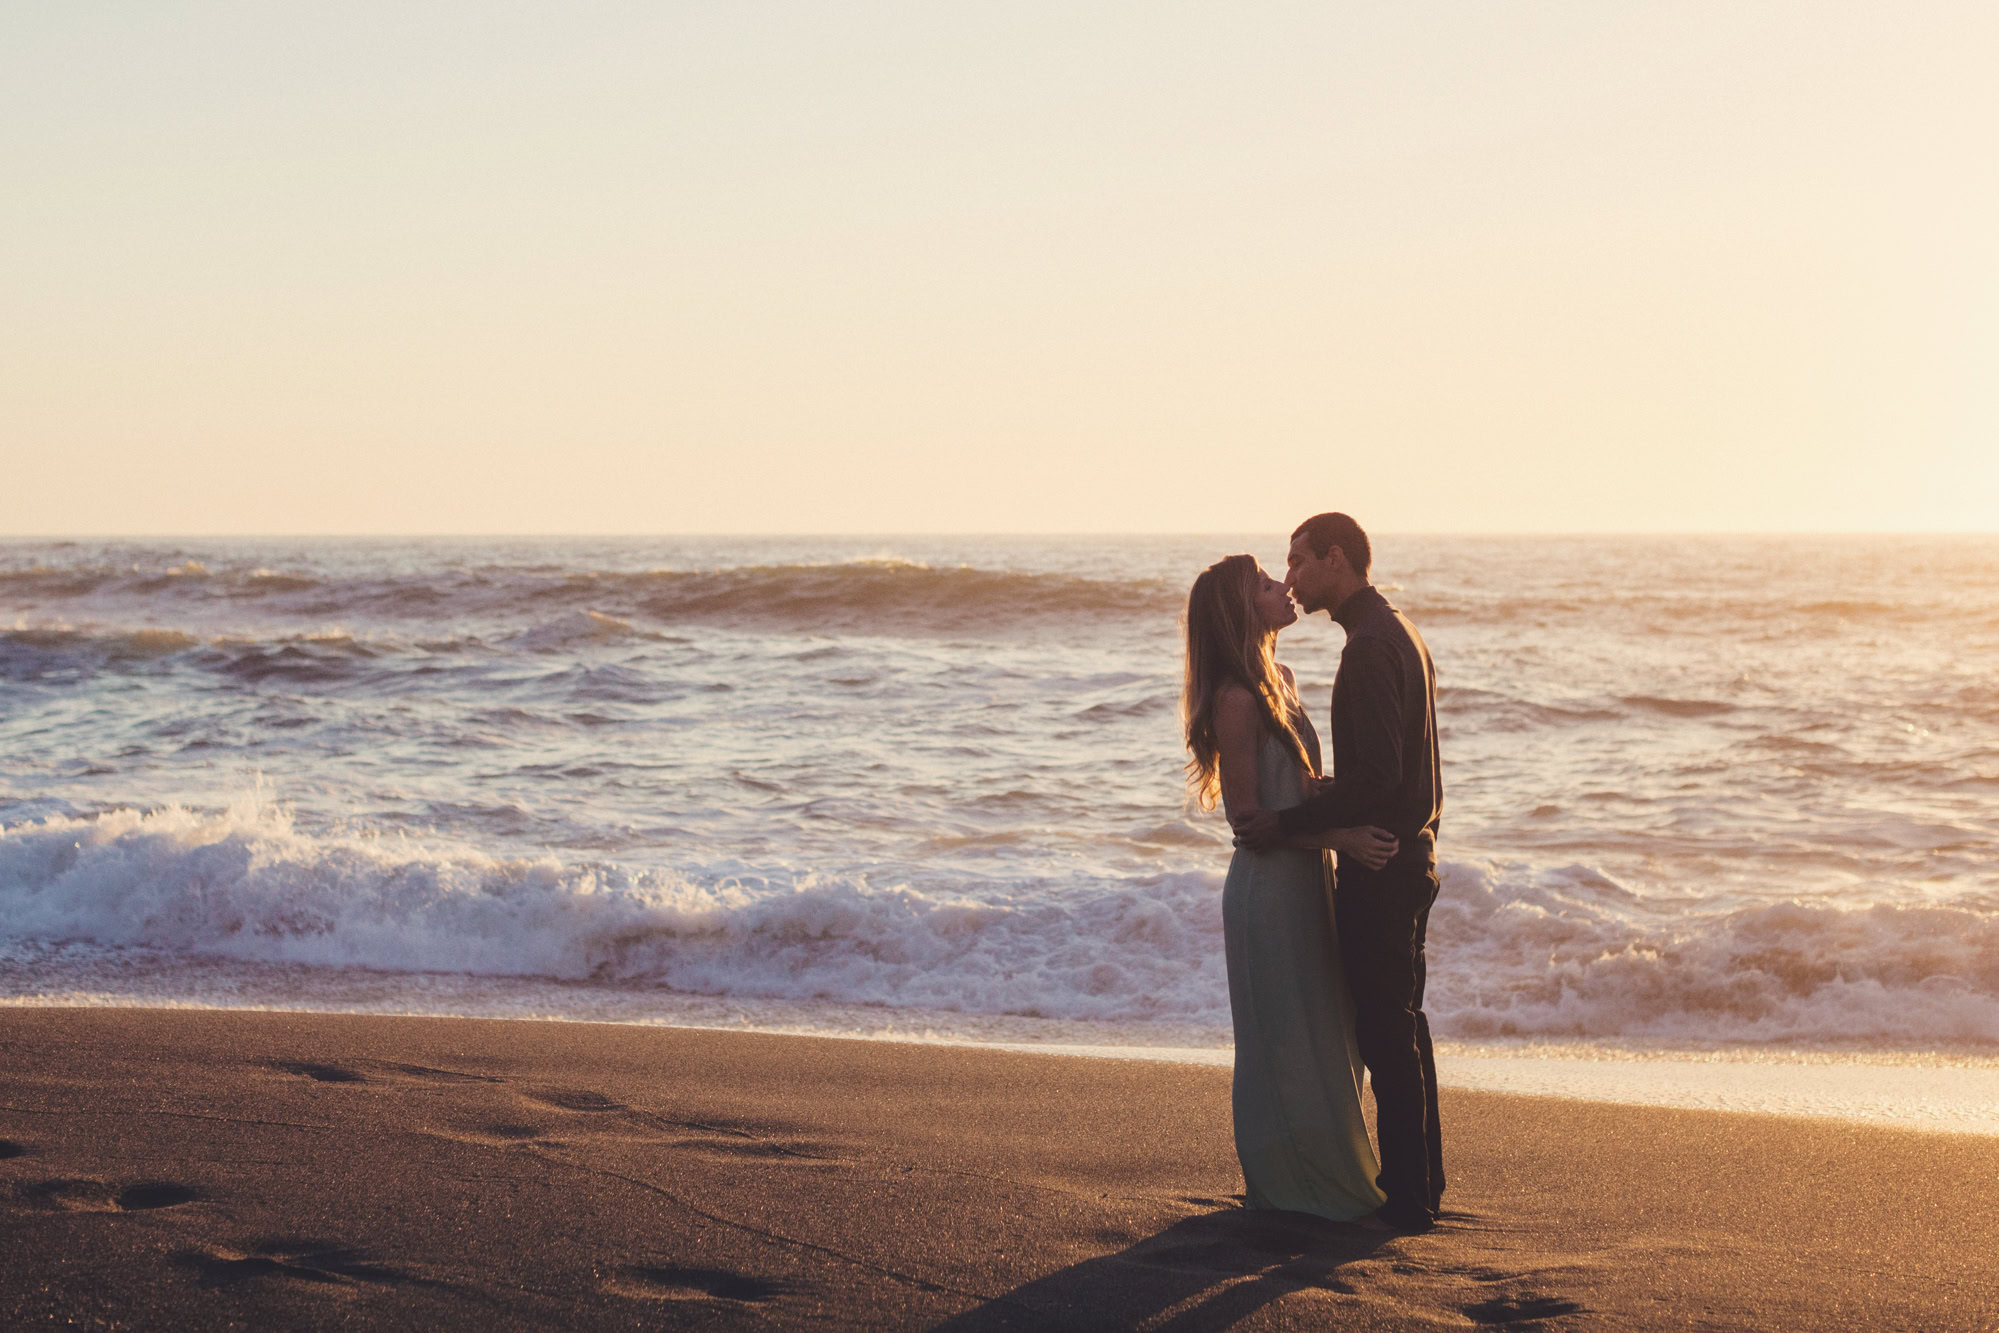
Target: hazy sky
924 267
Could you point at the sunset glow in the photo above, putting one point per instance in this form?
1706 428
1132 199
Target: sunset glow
1053 664
881 268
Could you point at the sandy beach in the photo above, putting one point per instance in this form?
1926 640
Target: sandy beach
255 1170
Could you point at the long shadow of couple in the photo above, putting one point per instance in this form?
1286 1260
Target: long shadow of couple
1193 1273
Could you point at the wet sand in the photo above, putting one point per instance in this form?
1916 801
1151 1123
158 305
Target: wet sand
246 1170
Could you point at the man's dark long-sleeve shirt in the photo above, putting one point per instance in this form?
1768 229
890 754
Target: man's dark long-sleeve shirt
1385 769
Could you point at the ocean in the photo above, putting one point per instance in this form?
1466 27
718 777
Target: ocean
1706 799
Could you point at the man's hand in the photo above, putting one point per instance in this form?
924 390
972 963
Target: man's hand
1256 829
1372 847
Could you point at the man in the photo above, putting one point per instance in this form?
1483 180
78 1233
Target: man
1385 773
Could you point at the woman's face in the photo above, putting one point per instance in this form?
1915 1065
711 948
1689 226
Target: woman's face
1272 601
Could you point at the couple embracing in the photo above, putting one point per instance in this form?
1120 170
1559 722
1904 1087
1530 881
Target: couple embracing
1326 969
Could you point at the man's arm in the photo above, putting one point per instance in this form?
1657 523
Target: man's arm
1369 767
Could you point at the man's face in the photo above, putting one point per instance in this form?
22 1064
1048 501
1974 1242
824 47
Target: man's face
1310 576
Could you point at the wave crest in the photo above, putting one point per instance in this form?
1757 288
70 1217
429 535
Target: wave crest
1567 954
877 594
245 884
1555 953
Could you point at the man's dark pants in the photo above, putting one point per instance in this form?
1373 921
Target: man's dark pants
1382 917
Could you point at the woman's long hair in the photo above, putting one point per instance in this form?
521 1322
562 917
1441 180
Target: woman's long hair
1227 646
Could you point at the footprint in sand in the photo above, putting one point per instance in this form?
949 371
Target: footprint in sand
669 1283
576 1099
150 1194
717 1138
500 1136
512 1133
1476 1272
71 1194
319 1073
68 1195
286 1257
425 1073
1521 1309
377 1071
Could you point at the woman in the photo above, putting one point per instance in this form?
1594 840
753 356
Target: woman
1298 1125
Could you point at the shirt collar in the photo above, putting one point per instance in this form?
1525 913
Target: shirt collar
1359 604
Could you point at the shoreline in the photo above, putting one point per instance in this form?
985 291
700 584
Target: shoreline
256 1169
1927 1091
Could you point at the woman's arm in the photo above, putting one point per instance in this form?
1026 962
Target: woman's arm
1371 846
1238 731
1238 728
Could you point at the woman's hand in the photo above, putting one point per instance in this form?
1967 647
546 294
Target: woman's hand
1370 846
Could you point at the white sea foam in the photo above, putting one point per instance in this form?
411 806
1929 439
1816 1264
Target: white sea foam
1697 793
1560 953
246 885
1566 952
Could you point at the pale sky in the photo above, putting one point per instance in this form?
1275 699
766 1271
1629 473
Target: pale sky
1007 267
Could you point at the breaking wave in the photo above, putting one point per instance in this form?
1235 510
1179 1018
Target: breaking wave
1552 953
871 594
247 885
1568 953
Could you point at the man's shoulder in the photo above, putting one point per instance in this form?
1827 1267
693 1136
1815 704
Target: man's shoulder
1382 626
1388 642
1371 647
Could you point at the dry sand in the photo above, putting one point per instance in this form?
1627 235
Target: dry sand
214 1169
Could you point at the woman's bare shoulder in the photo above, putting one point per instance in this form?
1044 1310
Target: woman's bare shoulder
1235 706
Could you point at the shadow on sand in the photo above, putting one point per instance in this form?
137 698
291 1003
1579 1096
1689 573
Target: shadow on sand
1207 1271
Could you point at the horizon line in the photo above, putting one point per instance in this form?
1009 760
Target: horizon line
858 534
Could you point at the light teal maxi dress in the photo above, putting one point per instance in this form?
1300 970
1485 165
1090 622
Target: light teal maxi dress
1298 1125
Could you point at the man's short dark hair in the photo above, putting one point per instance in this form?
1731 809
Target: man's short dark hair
1325 531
